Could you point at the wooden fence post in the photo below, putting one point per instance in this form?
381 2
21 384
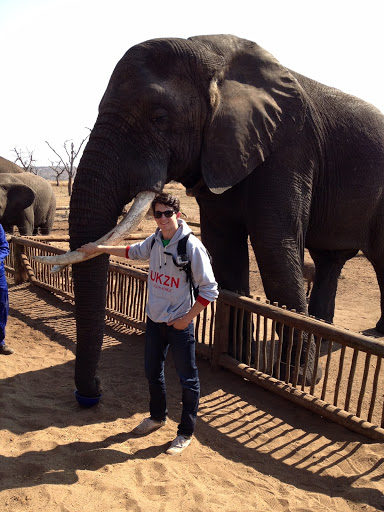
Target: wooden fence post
20 272
221 335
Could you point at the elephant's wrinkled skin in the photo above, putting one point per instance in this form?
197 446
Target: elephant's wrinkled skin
28 202
269 154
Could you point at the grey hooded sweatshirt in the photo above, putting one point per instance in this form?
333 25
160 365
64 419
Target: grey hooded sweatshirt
169 294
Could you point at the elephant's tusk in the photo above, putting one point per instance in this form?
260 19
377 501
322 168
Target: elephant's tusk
133 218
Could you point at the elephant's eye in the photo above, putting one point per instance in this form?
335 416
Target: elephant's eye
160 118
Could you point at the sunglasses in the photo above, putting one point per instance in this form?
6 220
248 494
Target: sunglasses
167 213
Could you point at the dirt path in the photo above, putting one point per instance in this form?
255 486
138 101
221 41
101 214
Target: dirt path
252 450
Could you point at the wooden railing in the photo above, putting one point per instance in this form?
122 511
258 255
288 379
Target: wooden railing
249 337
251 343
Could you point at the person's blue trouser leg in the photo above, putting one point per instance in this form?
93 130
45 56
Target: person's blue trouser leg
4 309
159 338
183 350
156 348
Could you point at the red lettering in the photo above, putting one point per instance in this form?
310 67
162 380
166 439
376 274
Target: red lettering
172 282
175 282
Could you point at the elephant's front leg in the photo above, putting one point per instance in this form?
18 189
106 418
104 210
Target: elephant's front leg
280 268
281 271
25 223
227 241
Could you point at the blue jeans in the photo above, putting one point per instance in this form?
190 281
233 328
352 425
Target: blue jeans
159 337
4 309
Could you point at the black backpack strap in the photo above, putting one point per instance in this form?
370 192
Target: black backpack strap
182 254
182 244
182 261
182 247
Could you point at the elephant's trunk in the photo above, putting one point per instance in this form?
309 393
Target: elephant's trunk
97 200
94 209
90 290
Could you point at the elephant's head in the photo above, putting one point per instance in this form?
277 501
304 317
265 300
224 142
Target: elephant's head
14 198
207 109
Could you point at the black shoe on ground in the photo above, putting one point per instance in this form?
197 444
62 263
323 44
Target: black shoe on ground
5 350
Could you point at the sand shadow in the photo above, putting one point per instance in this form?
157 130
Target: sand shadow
60 465
302 460
373 333
276 439
274 422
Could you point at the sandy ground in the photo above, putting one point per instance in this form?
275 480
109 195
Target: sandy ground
252 451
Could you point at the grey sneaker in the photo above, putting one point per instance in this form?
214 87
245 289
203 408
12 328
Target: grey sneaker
178 445
148 425
5 350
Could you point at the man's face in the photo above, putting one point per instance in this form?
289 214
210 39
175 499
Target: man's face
166 224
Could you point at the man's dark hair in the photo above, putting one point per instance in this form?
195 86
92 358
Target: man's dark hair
167 200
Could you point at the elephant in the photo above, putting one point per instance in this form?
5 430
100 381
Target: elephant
28 202
6 166
268 153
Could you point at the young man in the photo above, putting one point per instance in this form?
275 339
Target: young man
4 305
171 309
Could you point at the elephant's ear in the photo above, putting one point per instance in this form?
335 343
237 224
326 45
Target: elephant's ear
19 197
257 105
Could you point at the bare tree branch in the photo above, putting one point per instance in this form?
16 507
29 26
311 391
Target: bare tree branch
26 160
82 142
68 163
57 154
66 149
57 169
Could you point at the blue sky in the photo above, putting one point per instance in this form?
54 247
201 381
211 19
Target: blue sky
57 55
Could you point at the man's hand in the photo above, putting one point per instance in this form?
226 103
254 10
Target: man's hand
90 248
93 248
183 322
180 323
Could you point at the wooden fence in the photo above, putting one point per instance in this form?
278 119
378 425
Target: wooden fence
249 337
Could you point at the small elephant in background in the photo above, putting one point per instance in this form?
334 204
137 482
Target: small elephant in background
28 202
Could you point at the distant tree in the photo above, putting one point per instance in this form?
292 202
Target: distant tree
68 162
25 160
57 169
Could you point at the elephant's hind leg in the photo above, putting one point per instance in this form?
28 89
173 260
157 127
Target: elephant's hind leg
45 230
46 227
378 264
380 279
328 268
